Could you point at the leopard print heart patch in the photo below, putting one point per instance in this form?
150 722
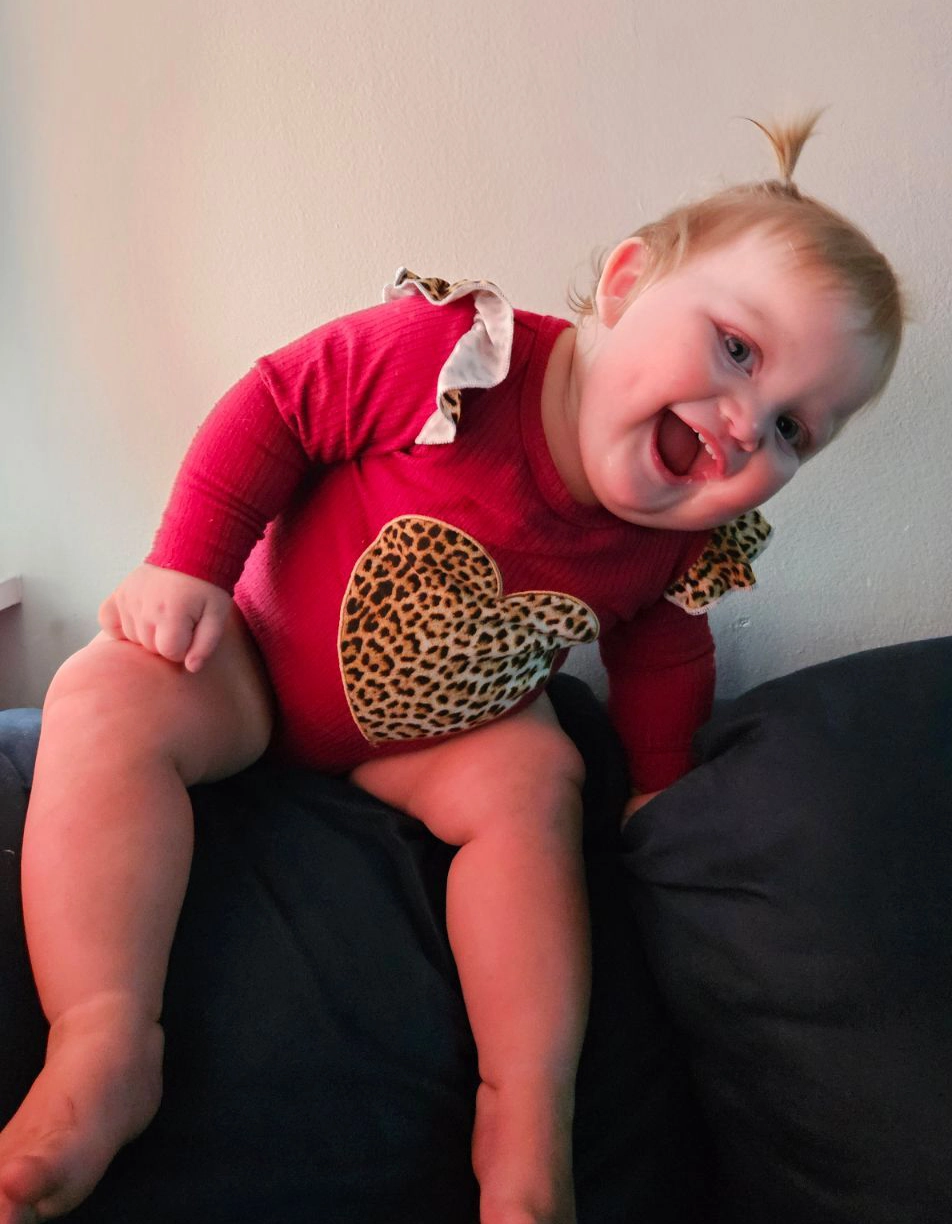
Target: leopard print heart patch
430 644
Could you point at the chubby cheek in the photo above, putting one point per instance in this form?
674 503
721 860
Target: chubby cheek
775 475
688 375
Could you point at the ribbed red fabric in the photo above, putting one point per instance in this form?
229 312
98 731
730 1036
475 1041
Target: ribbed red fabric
318 441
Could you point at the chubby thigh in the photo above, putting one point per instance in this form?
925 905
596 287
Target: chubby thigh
521 772
115 696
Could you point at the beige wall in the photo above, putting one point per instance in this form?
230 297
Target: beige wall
190 183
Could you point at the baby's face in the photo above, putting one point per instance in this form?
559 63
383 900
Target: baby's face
702 398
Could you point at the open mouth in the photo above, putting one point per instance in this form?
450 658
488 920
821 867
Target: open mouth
684 452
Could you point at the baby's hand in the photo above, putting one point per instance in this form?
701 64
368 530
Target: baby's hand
634 803
170 613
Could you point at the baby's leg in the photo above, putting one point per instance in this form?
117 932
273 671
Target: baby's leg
106 856
508 795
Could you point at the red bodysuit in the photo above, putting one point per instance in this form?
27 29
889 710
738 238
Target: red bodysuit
404 590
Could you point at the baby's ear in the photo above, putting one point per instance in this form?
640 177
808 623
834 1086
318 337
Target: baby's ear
618 279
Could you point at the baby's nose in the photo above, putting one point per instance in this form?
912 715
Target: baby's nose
747 443
744 423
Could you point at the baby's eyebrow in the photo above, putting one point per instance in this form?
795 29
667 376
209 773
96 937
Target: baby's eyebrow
756 313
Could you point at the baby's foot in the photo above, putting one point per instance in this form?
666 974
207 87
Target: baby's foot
100 1088
522 1156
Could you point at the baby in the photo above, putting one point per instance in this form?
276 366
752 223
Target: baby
380 546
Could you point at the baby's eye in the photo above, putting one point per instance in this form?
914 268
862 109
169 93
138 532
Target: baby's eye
739 351
791 431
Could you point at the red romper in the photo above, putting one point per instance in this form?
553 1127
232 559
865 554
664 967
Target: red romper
400 590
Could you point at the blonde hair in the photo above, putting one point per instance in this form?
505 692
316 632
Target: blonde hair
824 239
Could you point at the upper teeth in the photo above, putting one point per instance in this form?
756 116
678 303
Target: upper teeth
705 443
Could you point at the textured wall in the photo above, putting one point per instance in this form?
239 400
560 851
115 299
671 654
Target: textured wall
190 184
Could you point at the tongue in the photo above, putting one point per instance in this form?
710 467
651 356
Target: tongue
678 444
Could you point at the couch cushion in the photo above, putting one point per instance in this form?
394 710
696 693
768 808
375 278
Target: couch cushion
794 895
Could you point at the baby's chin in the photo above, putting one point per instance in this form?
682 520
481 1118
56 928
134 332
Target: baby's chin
682 517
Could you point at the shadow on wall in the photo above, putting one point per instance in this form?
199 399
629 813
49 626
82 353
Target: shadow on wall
12 655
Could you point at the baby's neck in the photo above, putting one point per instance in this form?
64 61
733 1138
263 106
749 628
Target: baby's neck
560 414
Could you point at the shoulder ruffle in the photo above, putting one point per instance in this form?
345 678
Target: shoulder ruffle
481 359
481 356
724 565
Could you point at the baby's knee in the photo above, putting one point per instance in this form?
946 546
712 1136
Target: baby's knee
521 773
524 779
541 751
118 699
108 692
100 680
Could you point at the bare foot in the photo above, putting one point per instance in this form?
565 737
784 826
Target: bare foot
522 1156
100 1088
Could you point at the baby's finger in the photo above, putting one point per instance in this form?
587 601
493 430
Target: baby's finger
207 635
109 620
146 632
173 638
128 624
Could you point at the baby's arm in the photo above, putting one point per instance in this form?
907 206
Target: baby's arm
348 387
171 614
242 467
661 681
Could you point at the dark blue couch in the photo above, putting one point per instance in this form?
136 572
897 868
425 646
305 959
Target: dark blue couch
770 1039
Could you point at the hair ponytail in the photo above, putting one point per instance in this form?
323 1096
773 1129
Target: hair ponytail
787 141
